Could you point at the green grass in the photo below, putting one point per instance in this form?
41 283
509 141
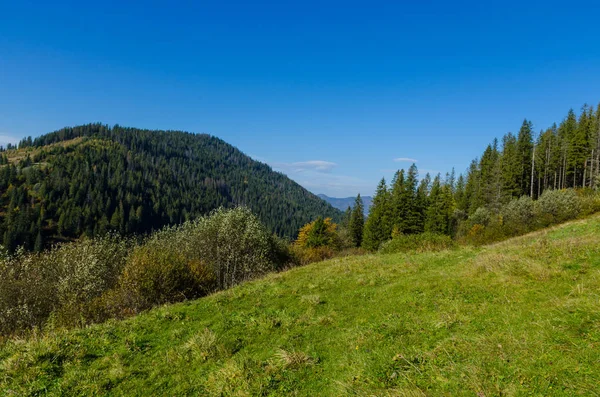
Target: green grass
521 317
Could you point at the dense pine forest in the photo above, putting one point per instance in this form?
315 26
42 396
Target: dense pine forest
92 179
498 188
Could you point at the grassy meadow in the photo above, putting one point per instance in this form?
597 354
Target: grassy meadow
521 317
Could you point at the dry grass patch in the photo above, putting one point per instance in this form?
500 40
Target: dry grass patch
293 359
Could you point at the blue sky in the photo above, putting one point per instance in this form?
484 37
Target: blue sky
331 93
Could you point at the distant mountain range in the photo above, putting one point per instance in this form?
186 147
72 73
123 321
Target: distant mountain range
343 203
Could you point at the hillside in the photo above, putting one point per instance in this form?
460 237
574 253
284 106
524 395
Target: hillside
515 318
343 203
94 178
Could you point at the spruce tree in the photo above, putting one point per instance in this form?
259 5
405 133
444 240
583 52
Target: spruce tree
357 221
525 153
412 214
441 206
398 204
378 227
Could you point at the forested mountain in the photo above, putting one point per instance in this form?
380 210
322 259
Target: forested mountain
91 179
345 202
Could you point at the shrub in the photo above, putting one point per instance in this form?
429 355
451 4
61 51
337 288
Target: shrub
481 216
555 206
518 216
589 201
423 242
27 292
198 257
234 244
62 281
304 255
319 233
156 274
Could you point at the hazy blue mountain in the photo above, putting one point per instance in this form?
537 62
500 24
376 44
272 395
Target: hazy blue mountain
345 202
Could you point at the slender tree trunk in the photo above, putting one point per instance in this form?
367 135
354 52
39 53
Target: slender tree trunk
546 168
592 169
564 178
532 171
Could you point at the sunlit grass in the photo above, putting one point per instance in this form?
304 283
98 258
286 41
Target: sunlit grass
519 317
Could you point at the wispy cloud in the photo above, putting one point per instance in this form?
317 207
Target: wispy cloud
335 185
318 177
302 166
405 160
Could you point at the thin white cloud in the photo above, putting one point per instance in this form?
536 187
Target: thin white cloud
335 185
317 176
302 166
405 160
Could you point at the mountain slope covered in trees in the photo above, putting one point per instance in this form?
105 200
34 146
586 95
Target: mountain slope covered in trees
91 179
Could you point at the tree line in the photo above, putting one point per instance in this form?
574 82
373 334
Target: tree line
563 156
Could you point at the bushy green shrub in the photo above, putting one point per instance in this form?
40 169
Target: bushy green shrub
589 200
306 255
481 216
61 281
518 216
424 242
27 292
234 244
555 206
92 280
154 275
196 258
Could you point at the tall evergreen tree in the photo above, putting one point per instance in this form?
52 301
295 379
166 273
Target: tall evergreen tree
525 153
413 215
378 227
357 221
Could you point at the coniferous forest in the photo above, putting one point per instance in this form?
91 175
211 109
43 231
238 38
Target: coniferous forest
521 166
91 179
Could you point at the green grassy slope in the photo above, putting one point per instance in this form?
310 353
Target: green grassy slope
517 318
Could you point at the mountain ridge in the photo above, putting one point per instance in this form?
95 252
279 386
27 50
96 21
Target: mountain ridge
342 203
90 179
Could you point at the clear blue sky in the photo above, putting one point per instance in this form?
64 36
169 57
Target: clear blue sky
328 92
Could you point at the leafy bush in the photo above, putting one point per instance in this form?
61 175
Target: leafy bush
156 273
234 244
27 292
589 200
523 215
319 233
518 216
62 281
423 242
481 216
304 255
92 280
555 206
198 257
